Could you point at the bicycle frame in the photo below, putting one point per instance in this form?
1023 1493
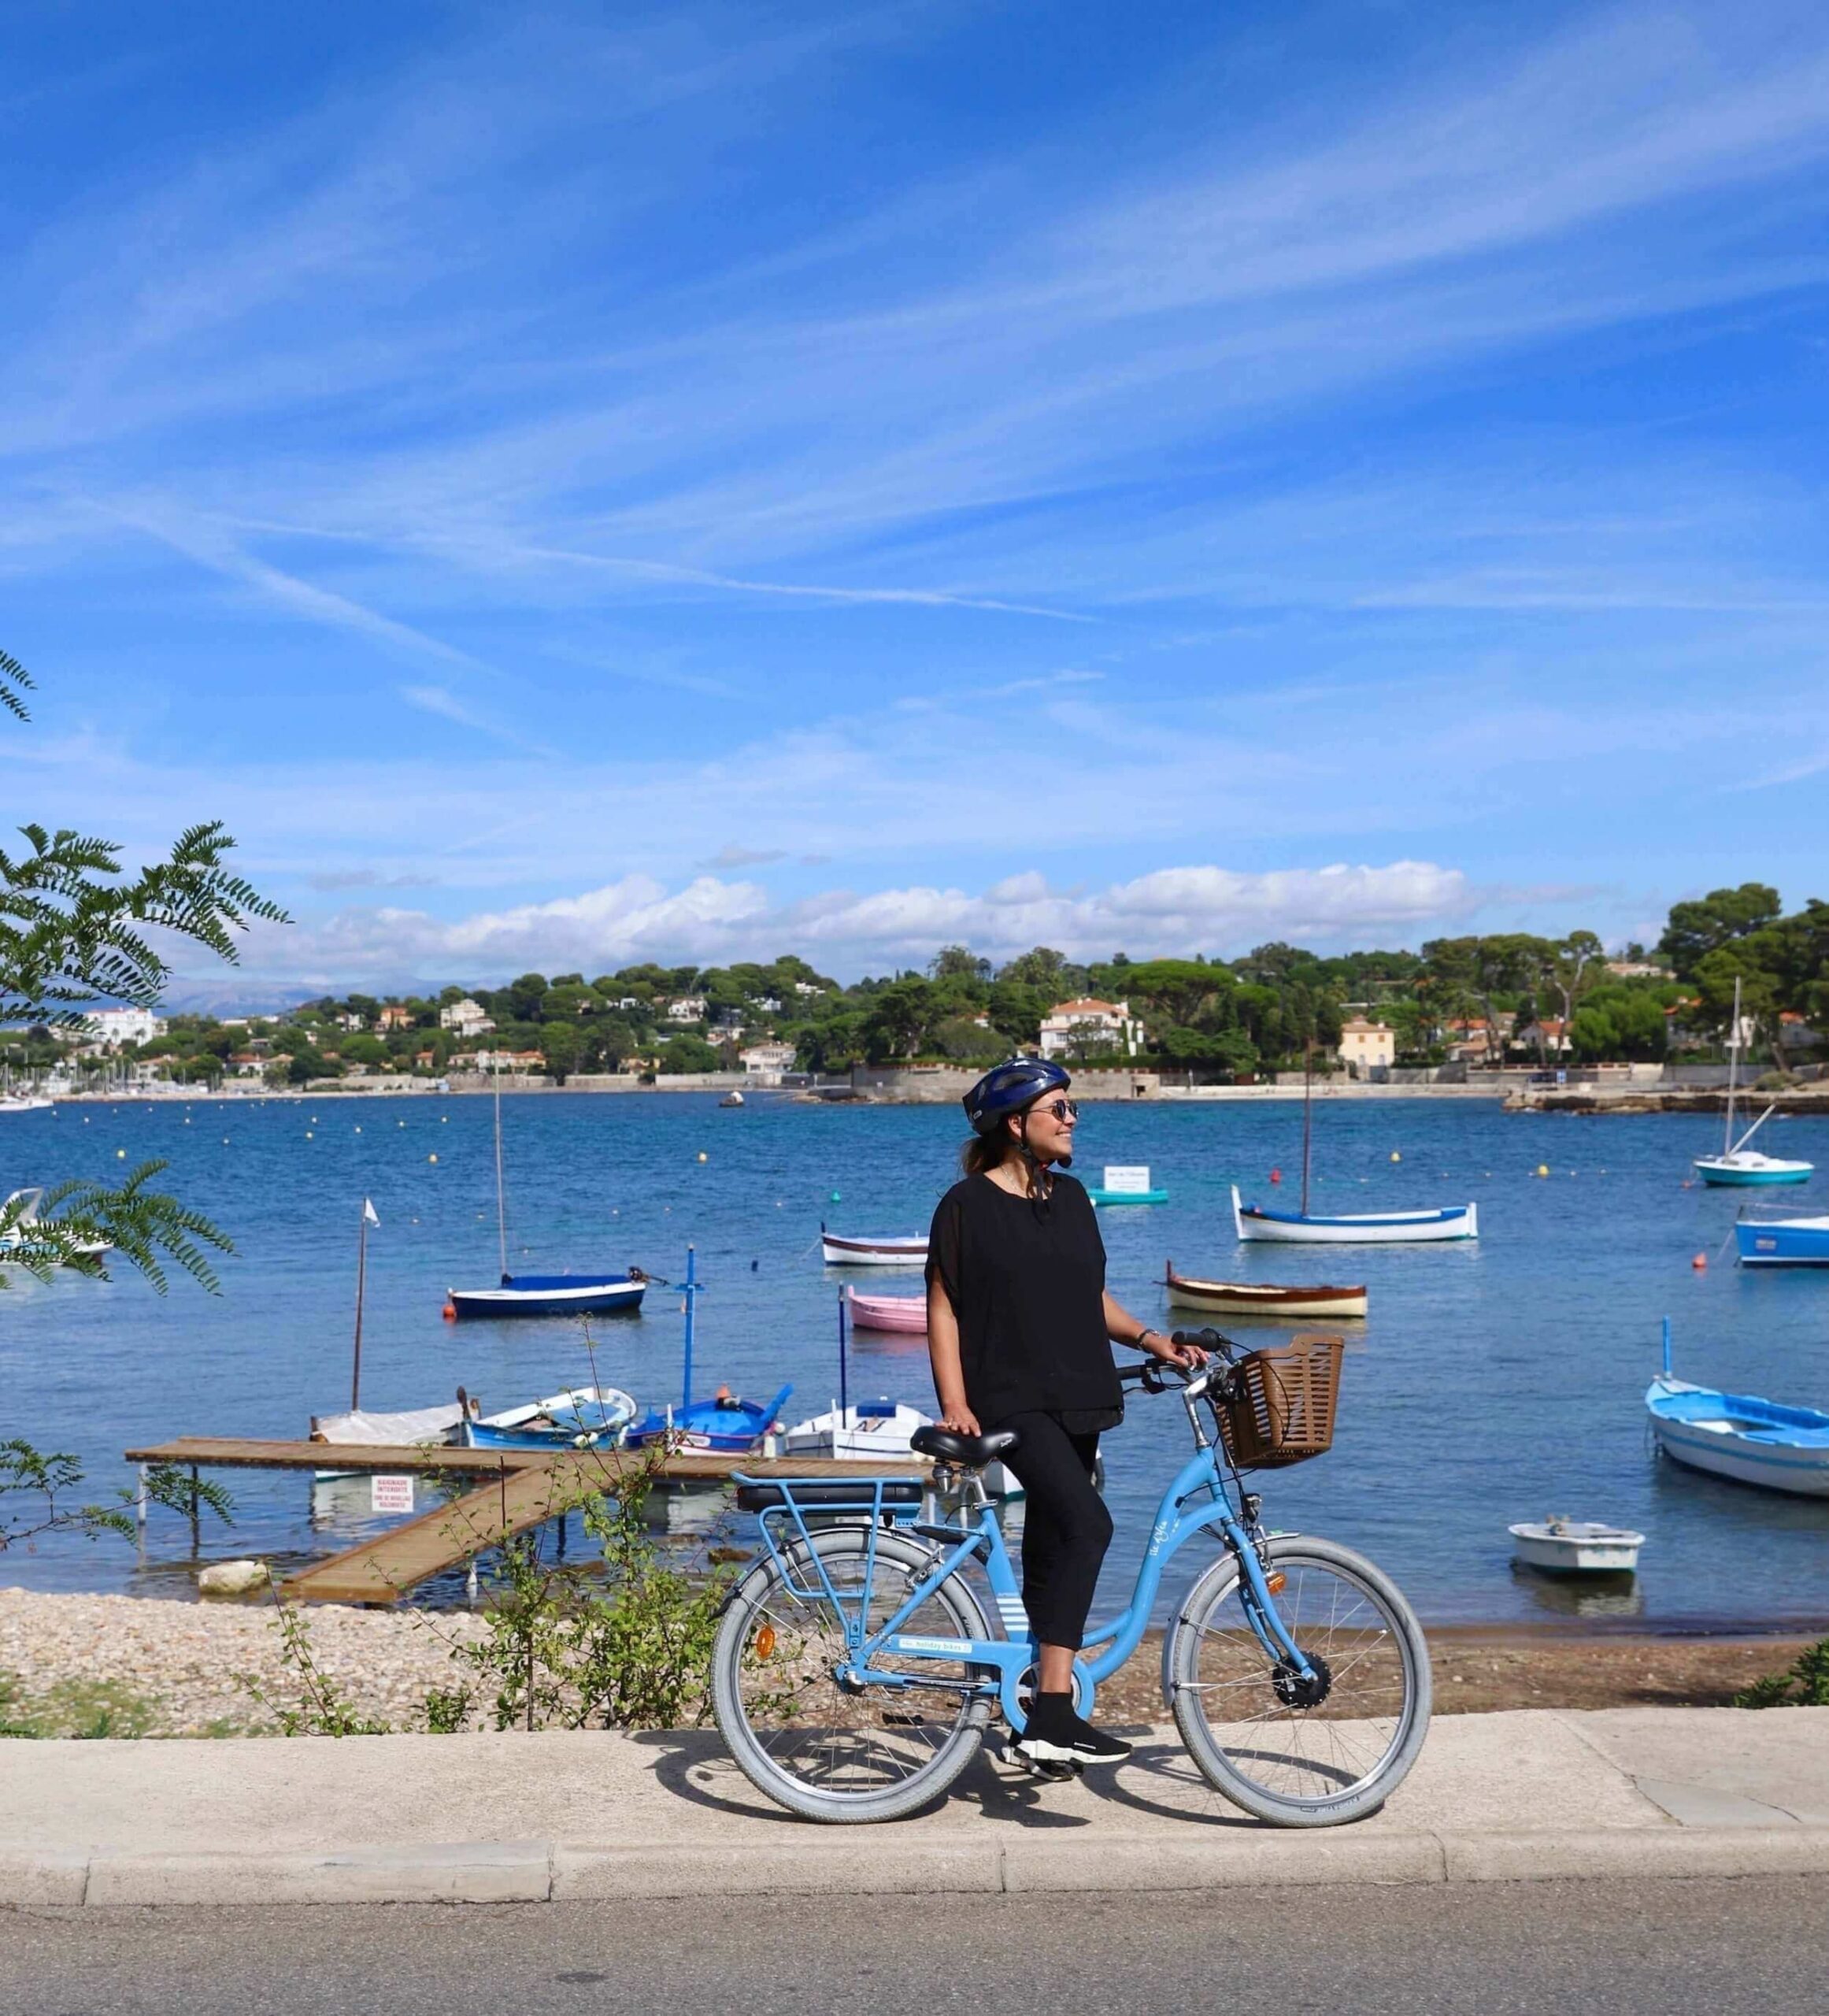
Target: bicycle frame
1194 1502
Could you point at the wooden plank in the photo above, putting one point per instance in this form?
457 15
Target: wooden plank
232 1452
381 1570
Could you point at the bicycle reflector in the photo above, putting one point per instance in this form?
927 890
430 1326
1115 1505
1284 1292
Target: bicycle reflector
1275 1582
765 1642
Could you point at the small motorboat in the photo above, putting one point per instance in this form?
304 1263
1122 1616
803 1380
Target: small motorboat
553 1294
1252 1221
1127 1184
1262 1298
1783 1242
872 1430
1734 1435
731 1099
907 1314
1576 1547
724 1424
21 1212
893 1250
586 1418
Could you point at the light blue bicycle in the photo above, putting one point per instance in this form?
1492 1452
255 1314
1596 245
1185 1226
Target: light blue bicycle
856 1671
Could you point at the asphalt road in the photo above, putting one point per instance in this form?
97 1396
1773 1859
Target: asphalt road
1721 1946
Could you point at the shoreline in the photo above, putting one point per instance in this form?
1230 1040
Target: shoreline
74 1665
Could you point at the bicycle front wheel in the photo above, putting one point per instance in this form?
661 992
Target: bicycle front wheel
878 1752
1302 1753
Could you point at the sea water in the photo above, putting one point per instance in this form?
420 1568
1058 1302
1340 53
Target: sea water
1496 1380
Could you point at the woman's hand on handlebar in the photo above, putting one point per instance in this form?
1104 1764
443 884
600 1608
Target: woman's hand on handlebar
1173 1351
958 1417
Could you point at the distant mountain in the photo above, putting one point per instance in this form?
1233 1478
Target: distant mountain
234 997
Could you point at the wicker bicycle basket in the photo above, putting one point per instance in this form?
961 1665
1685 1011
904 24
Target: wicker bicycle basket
1280 1407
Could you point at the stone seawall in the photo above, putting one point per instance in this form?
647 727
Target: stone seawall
920 1084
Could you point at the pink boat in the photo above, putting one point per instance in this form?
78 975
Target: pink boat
887 1312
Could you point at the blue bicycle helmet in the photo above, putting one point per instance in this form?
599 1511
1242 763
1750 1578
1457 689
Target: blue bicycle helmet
1007 1089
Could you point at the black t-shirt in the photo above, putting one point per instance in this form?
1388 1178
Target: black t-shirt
1027 1282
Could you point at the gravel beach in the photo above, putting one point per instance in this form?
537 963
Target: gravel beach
134 1666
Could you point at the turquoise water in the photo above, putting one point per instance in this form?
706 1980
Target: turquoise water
1495 1381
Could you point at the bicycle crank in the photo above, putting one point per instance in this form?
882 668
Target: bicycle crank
1295 1690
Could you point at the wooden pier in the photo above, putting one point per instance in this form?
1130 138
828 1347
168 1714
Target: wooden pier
513 1489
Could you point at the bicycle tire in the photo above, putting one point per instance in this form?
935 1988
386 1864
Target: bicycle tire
1226 1762
765 1595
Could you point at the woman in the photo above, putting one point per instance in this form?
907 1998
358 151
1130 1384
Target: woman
1019 1325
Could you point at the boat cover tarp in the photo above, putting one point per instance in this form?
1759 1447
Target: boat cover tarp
420 1425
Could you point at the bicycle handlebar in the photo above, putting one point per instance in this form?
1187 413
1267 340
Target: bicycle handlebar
1154 1373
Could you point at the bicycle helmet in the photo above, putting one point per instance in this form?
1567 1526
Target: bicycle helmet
1007 1089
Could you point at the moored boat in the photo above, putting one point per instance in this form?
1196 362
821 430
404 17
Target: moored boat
553 1294
907 1314
585 1417
1576 1547
1735 1434
1782 1242
869 1429
725 1424
1262 1298
1126 1184
1738 1167
1355 1228
842 1249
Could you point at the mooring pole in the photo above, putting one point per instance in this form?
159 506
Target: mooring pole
196 1534
139 1505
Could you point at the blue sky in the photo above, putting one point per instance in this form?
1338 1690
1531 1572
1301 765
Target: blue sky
573 485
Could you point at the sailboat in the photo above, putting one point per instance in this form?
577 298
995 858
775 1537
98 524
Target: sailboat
1253 1222
594 1294
871 1429
724 1424
1737 1164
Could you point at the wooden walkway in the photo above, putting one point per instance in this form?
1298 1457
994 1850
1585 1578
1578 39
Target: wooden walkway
515 1489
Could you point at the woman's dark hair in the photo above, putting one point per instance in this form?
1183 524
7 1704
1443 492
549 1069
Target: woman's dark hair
985 1152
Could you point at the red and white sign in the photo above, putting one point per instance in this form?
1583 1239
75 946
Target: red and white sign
390 1494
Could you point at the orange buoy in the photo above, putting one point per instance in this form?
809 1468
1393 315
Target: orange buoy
1276 1176
450 1311
1700 1262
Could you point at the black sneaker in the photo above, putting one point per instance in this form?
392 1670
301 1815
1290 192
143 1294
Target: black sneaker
1056 1735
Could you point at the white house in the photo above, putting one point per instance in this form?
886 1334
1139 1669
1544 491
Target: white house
467 1018
688 1008
1366 1045
767 1060
1087 1027
119 1025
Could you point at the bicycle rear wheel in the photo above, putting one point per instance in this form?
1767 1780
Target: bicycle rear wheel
1302 1754
878 1753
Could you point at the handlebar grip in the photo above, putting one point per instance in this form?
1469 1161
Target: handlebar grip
1208 1340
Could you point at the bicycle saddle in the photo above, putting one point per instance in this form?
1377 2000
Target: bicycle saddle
973 1450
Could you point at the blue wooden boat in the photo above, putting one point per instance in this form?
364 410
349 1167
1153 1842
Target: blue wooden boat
586 1417
1734 1435
553 1294
724 1425
1782 1242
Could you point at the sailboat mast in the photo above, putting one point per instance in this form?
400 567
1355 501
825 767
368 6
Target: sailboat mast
361 1282
691 1297
1308 1115
1733 1069
501 1208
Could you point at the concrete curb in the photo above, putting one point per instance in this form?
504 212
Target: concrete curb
856 1863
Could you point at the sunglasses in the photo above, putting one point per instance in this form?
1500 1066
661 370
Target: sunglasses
1062 1109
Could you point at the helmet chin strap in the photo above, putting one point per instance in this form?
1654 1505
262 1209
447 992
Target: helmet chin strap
1041 1182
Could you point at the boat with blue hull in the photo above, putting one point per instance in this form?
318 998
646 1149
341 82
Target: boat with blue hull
586 1417
1735 1434
553 1295
725 1425
603 1292
1782 1242
1253 1221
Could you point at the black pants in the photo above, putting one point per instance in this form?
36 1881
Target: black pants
1066 1528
